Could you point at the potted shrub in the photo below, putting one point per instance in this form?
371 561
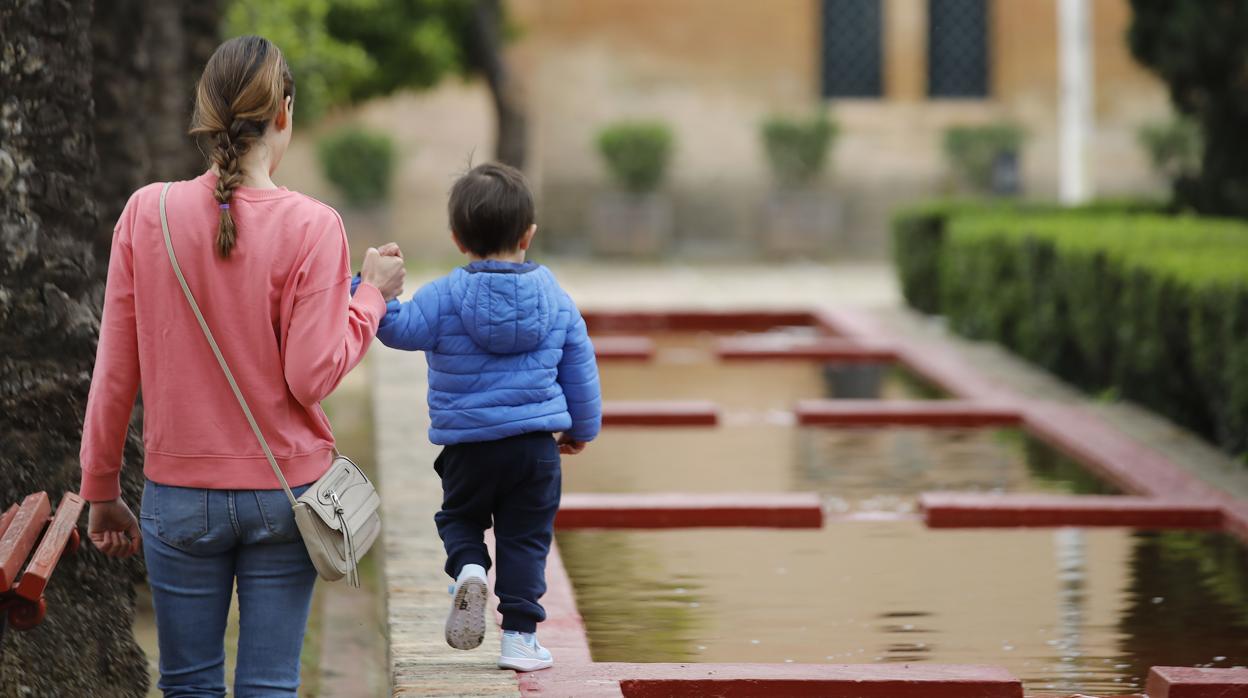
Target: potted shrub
360 164
986 158
799 219
633 218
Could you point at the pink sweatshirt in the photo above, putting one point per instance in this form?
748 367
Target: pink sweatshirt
281 310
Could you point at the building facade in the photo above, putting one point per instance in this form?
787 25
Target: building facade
894 73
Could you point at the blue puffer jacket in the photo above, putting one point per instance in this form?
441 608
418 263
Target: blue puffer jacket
508 354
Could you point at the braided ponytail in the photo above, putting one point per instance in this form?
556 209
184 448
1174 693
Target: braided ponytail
244 86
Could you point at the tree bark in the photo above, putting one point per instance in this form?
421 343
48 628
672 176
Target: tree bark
51 284
180 39
121 64
485 51
87 118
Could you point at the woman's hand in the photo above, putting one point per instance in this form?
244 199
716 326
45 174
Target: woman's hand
385 272
113 529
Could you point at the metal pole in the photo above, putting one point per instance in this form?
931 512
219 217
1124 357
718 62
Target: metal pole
1075 101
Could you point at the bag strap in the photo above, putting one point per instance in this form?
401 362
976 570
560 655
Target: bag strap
216 350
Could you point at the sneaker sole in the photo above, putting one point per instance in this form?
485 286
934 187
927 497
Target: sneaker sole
465 626
519 664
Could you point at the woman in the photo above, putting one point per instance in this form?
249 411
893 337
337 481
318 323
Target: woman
271 272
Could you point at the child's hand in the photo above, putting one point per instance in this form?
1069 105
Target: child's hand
569 446
391 249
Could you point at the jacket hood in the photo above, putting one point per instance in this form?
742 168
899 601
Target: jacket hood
506 307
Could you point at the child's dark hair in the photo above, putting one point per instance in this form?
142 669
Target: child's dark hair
490 209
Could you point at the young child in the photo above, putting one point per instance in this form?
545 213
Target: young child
510 364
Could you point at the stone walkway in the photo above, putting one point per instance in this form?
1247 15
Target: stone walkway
422 664
417 601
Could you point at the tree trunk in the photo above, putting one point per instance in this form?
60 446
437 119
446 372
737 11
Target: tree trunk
486 55
51 285
66 170
180 38
119 48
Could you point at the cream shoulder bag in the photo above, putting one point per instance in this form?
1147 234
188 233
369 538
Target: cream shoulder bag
338 515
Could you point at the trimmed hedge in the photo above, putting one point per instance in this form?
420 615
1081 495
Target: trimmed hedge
1153 308
918 234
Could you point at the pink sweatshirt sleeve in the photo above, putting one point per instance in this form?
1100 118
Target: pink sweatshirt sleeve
115 380
329 328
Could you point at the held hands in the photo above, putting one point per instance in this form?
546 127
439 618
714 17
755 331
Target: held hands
113 529
570 447
384 270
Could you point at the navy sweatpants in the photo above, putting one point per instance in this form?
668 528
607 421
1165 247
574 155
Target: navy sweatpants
513 483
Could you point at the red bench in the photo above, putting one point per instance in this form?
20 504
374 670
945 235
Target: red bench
22 526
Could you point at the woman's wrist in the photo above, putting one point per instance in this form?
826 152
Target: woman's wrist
100 488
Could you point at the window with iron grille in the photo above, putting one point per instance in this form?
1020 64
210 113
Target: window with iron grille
957 48
852 48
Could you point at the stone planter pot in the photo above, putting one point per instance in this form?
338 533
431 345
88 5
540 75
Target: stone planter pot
631 224
854 381
800 222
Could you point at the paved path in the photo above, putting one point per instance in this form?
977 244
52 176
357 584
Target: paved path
417 601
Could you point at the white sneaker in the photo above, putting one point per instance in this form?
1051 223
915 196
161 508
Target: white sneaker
465 625
522 652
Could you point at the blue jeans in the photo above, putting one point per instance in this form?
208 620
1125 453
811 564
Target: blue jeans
198 543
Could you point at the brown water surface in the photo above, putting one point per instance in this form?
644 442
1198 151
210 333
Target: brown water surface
1064 610
685 368
857 469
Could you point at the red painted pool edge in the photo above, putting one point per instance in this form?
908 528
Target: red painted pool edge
816 680
1192 682
670 510
659 413
965 510
610 321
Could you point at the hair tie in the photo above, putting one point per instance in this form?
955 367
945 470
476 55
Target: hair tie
224 207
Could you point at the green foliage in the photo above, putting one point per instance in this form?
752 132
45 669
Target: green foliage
1200 49
797 149
918 235
359 163
1173 147
1154 307
636 153
343 51
413 43
973 150
324 67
